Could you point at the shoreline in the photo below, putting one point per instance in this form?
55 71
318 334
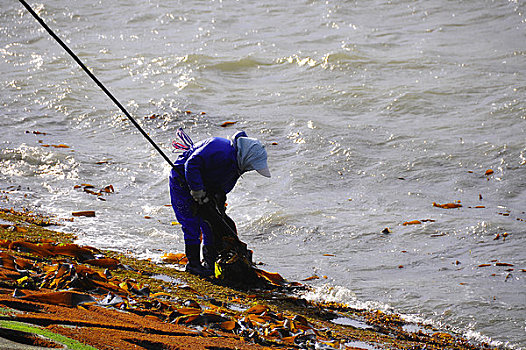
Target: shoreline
107 300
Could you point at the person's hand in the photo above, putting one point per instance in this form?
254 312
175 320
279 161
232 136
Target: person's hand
199 196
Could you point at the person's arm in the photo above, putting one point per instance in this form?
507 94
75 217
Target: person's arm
192 171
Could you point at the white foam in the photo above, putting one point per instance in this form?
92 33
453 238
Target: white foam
339 294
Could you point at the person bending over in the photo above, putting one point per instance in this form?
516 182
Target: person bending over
209 170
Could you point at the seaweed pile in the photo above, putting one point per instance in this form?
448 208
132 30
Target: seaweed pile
114 302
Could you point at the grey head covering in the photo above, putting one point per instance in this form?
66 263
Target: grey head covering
251 155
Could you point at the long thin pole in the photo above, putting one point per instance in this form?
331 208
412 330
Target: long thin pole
94 78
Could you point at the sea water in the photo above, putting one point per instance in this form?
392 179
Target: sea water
371 112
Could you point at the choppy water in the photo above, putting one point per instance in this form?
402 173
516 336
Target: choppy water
371 110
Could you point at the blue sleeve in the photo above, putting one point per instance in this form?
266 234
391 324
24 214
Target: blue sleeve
192 170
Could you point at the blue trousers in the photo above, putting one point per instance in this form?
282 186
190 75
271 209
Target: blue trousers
194 228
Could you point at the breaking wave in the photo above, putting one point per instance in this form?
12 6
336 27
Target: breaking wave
338 294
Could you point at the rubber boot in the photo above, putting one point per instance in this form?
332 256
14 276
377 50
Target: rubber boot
210 257
194 261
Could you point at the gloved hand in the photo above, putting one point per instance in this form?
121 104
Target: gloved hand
199 196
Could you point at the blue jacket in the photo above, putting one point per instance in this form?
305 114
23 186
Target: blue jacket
210 165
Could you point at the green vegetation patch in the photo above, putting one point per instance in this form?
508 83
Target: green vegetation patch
23 327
